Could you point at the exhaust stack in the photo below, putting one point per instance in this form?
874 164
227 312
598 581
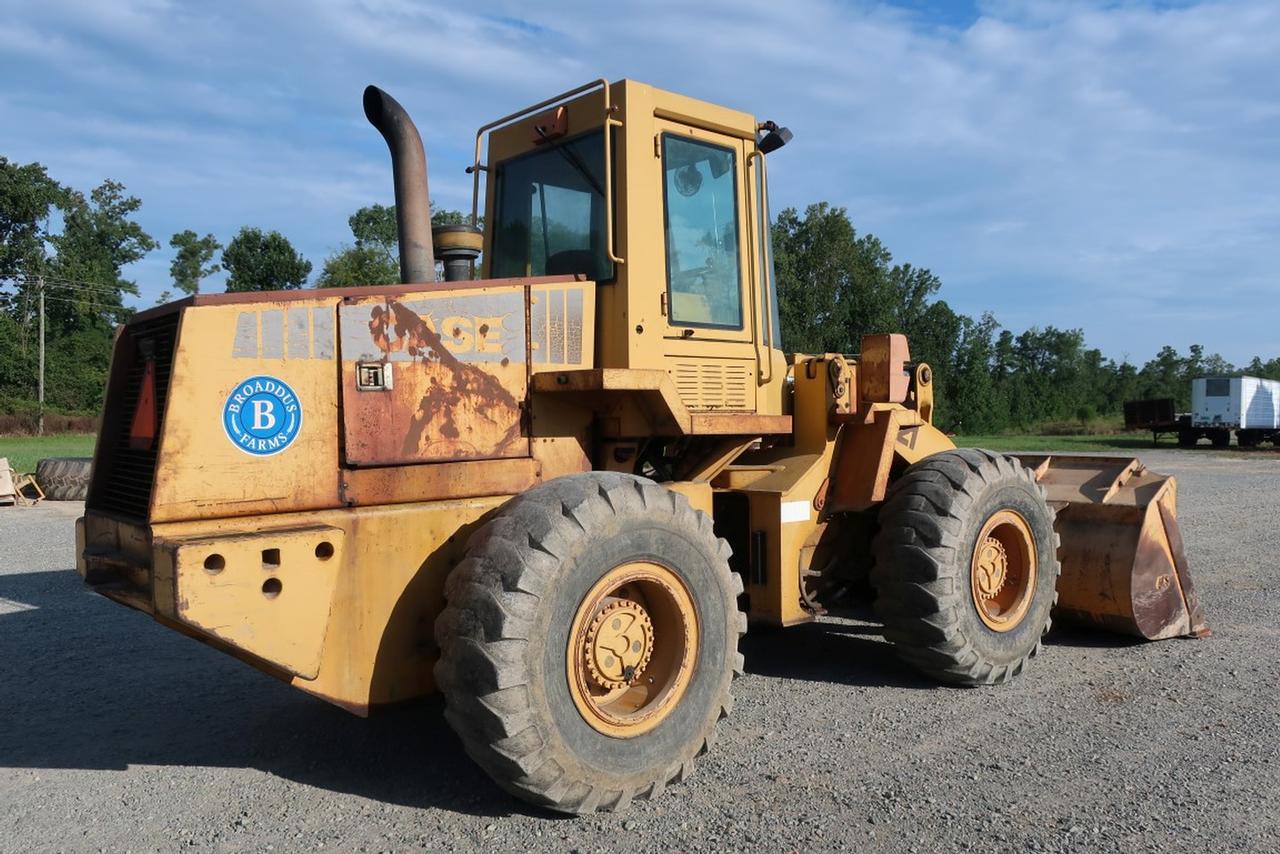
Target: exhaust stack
409 169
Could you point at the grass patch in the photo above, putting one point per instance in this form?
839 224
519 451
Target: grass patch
1066 444
23 451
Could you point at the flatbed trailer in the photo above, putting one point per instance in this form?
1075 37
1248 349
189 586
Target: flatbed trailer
1158 415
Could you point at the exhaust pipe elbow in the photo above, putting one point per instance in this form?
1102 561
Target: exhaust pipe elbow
409 171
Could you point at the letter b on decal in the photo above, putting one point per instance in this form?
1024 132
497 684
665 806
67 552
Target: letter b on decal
263 416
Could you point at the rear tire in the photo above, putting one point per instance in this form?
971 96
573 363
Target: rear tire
1220 438
526 624
946 526
64 478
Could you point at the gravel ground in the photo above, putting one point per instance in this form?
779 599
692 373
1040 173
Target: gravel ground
118 734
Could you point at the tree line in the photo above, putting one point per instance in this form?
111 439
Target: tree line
834 286
73 248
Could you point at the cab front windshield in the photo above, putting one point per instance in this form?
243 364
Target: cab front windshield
549 211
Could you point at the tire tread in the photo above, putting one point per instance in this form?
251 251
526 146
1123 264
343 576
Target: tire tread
922 517
493 597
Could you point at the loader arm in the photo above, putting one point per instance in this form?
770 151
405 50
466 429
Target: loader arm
860 423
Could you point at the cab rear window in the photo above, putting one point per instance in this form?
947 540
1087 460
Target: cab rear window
550 212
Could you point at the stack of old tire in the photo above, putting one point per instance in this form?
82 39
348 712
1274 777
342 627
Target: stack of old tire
64 478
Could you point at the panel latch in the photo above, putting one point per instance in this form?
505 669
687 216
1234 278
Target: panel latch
373 376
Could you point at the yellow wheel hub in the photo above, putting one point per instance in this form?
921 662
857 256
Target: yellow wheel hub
618 644
632 648
992 568
1003 571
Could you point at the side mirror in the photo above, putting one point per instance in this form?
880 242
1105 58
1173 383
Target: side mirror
774 139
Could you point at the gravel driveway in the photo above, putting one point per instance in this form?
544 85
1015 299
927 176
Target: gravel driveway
116 733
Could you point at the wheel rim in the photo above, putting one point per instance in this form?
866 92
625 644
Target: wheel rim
1003 571
632 646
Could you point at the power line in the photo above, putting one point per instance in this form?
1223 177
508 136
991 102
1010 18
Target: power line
69 299
68 282
85 290
74 301
88 291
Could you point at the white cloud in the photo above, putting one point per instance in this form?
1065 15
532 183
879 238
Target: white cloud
1103 165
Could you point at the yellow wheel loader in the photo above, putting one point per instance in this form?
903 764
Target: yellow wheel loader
558 493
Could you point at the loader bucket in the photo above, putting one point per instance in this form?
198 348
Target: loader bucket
1123 564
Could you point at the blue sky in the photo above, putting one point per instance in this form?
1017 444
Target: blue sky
1109 166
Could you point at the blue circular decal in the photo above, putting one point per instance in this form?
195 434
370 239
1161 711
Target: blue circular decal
262 416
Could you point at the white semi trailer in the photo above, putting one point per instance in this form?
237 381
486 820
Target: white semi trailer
1219 405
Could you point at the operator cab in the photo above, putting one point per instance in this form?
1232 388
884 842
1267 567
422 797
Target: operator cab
662 201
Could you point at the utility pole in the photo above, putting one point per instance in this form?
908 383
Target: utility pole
40 385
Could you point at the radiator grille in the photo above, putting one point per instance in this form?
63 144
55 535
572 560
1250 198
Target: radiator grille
123 480
715 385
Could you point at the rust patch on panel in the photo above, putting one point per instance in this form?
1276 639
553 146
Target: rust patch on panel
465 412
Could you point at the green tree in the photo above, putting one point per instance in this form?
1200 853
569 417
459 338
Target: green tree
27 196
358 266
934 337
374 258
81 266
448 216
17 363
1267 370
836 286
82 262
99 238
832 284
191 263
375 226
76 368
263 261
1215 365
974 402
1163 377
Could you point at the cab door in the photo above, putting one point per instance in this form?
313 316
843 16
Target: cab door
709 313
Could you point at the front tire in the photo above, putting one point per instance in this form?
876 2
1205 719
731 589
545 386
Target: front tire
966 567
589 642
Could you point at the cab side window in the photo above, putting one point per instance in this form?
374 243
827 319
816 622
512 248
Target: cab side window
704 279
